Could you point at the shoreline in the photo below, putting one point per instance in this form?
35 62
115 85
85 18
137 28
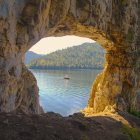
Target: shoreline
66 69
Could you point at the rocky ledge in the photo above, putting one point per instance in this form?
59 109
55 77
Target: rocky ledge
115 24
52 126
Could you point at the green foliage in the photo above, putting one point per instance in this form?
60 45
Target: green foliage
132 133
84 137
135 113
130 35
124 2
85 56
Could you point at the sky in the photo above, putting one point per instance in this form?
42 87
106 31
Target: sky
51 44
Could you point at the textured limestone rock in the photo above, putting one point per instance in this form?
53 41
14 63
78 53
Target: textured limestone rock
115 24
28 97
52 126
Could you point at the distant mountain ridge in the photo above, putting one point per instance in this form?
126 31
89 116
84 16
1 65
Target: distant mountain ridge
29 56
85 56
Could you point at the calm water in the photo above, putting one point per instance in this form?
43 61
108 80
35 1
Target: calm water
64 96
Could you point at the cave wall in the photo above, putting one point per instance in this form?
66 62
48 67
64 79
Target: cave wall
115 24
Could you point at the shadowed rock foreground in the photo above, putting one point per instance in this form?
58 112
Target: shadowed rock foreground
115 24
51 126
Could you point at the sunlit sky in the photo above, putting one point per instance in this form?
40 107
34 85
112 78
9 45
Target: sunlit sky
51 44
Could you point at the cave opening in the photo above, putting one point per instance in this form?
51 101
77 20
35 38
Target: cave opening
115 25
53 59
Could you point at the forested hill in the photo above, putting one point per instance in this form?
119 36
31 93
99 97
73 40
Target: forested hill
29 56
85 56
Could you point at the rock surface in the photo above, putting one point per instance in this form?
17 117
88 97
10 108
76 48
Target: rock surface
114 24
52 126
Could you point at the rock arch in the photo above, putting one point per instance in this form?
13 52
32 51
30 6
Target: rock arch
114 24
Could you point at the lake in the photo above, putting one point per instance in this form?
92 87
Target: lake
64 96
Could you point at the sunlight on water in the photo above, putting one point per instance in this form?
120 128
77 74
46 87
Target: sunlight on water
64 96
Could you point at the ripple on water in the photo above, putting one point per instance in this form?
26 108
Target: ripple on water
64 96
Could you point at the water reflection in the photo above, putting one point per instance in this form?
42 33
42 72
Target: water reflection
64 96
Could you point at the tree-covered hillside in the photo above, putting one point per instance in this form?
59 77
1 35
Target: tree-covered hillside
29 56
85 56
